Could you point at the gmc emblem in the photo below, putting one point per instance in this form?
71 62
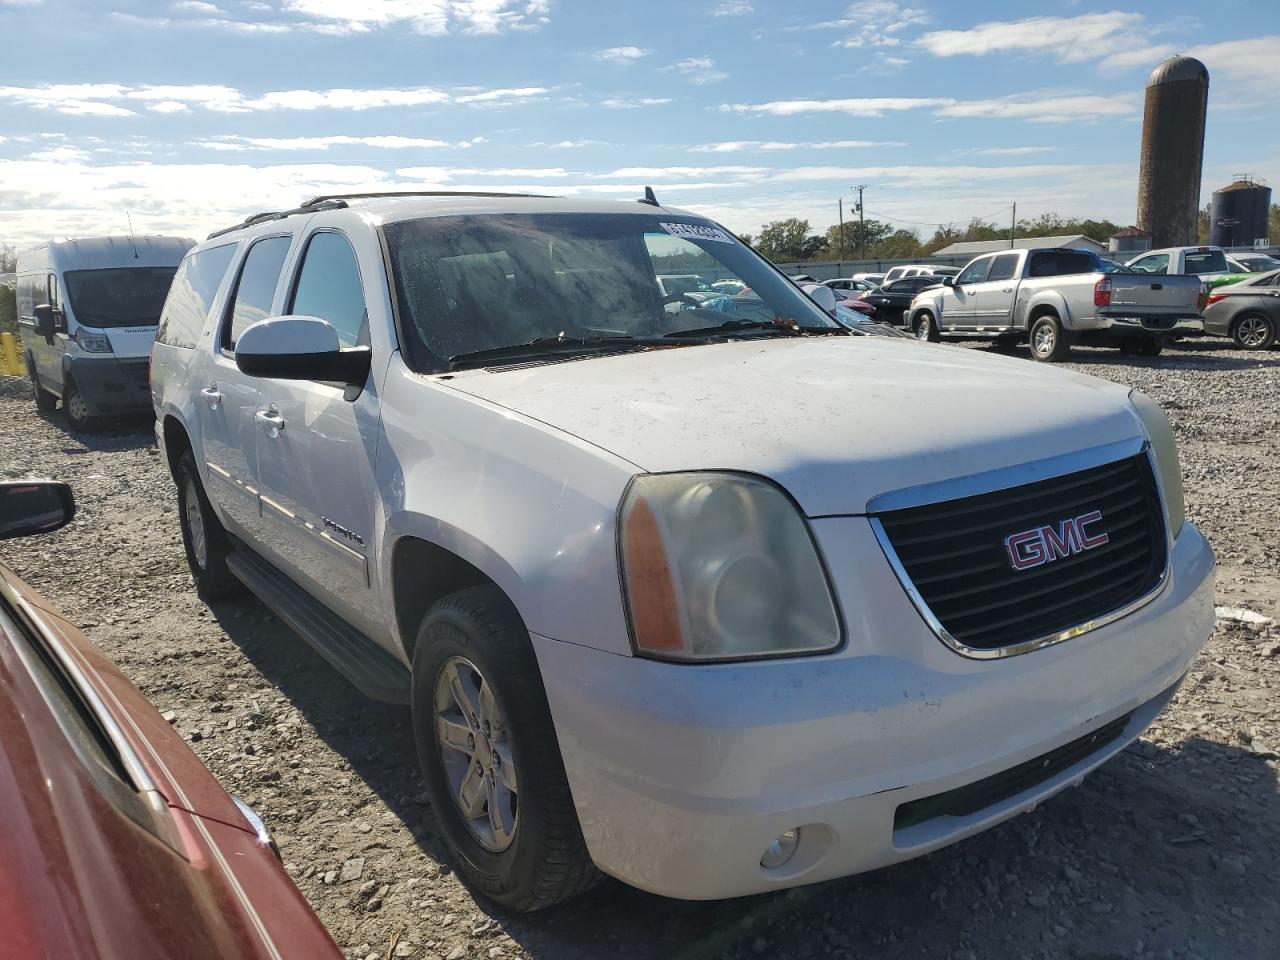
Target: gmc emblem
1041 545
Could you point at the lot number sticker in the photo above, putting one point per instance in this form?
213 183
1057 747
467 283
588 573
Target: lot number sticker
695 231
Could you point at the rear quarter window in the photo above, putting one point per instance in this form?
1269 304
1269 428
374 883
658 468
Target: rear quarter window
191 295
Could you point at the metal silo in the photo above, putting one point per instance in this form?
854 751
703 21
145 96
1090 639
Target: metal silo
1172 151
1240 214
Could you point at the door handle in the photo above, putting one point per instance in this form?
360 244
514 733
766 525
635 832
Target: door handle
1008 289
271 421
211 394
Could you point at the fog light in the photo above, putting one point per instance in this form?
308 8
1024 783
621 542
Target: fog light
781 850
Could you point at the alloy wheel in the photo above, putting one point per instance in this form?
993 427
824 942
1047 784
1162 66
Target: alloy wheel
1045 338
195 524
1254 332
472 737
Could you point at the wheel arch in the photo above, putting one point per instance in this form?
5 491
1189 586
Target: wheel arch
1047 307
176 440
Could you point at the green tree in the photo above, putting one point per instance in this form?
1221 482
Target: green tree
945 235
784 239
899 245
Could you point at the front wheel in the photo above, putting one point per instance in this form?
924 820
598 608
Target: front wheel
490 757
926 327
203 538
77 408
1048 340
1254 332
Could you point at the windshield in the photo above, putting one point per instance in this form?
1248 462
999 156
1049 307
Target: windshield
482 282
119 297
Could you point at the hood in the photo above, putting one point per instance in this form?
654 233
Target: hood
131 342
834 420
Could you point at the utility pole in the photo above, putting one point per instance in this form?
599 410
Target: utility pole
840 202
1013 224
862 222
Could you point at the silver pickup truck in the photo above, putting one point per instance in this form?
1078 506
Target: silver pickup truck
1054 298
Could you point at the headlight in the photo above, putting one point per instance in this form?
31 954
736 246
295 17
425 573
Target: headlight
721 566
1165 448
92 342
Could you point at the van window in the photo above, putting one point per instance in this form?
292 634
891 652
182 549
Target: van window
1003 267
329 288
256 286
116 297
191 296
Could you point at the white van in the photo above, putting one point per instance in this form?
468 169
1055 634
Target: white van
88 310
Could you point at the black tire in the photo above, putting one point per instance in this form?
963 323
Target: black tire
1047 339
212 577
925 327
1143 347
77 408
545 861
46 402
1254 331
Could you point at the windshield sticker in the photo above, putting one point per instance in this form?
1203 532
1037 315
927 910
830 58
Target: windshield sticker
696 231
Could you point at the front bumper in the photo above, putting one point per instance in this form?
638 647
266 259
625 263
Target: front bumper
682 775
111 385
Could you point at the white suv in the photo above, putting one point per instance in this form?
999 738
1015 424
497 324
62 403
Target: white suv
687 596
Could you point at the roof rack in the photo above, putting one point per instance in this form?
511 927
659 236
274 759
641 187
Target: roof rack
314 201
311 206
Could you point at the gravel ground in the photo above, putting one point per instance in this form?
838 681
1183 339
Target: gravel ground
1168 851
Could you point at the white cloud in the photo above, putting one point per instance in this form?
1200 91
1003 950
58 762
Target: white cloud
1047 109
571 144
698 70
732 8
430 17
444 174
657 173
197 6
1252 61
1077 39
621 104
768 146
1007 151
62 154
231 143
1147 56
854 106
621 54
112 99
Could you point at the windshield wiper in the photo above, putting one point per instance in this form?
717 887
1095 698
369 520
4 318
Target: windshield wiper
734 326
553 345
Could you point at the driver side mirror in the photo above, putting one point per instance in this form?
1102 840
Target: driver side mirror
29 507
948 281
300 348
822 295
46 320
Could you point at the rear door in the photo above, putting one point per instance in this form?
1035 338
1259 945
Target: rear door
995 295
960 302
316 469
228 400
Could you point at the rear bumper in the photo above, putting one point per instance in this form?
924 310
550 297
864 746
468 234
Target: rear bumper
682 775
1142 326
111 385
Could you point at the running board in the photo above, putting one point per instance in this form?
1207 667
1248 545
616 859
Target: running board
369 668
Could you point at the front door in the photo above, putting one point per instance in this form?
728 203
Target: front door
960 302
227 400
995 295
316 457
46 353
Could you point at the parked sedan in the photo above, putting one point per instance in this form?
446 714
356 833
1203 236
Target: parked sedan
892 300
117 842
1248 312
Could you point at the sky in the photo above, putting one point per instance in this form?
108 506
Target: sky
184 116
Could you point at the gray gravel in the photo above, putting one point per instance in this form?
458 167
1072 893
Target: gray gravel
1168 851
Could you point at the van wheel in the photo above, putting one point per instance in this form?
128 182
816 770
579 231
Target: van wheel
1048 340
926 328
1253 331
203 537
77 408
490 757
46 402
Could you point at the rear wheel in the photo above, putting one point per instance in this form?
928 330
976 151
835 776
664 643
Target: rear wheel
1254 331
490 756
46 402
203 537
1048 340
926 327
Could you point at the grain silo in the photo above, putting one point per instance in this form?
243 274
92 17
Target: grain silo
1172 151
1240 214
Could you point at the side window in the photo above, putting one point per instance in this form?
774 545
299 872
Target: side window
255 287
1003 267
329 288
52 291
975 272
191 296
